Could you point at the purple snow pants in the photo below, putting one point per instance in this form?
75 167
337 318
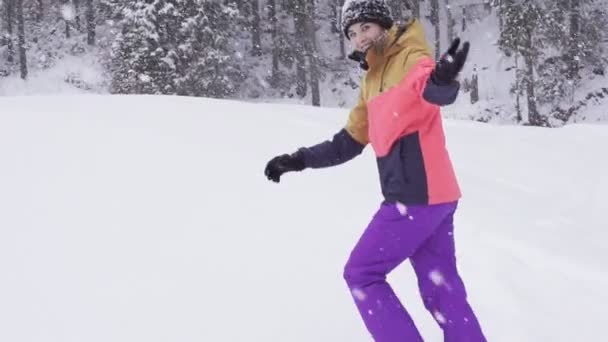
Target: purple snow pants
424 234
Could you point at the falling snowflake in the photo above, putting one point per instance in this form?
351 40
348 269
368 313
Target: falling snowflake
145 78
439 317
359 294
402 208
67 12
436 277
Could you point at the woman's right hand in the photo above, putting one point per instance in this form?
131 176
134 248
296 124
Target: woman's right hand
277 166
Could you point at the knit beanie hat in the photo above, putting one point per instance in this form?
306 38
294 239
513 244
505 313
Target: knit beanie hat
371 11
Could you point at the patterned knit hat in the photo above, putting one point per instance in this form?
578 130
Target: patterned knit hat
371 11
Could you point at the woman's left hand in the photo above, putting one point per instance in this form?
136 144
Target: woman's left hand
451 63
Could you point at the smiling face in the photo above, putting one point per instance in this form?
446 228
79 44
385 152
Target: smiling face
364 35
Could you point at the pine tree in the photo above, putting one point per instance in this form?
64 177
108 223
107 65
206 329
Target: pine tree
520 36
140 64
205 62
571 30
176 47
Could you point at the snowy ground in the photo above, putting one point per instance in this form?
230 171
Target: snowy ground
149 219
71 75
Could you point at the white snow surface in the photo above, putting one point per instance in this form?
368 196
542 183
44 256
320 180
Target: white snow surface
148 218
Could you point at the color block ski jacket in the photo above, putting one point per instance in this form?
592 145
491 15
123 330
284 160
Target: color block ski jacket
398 114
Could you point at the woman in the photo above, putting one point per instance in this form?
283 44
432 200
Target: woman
398 114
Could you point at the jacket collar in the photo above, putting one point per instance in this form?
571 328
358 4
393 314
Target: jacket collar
398 37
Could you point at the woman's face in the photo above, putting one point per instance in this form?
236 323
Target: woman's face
364 35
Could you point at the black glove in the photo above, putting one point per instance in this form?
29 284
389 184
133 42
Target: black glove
284 163
450 64
359 56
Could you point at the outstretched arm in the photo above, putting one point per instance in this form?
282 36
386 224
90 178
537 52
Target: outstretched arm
345 145
348 143
342 148
442 88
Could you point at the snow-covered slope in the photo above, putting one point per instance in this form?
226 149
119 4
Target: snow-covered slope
80 74
149 219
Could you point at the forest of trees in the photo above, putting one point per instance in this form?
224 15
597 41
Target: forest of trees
289 47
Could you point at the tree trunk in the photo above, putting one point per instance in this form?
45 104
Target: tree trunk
90 23
40 10
499 14
256 30
342 46
67 29
21 33
298 19
341 34
574 39
415 7
517 89
334 17
306 12
66 7
435 23
474 87
10 17
533 115
272 16
464 18
77 13
451 23
487 5
311 48
529 50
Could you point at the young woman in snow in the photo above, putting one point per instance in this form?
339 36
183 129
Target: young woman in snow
398 114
